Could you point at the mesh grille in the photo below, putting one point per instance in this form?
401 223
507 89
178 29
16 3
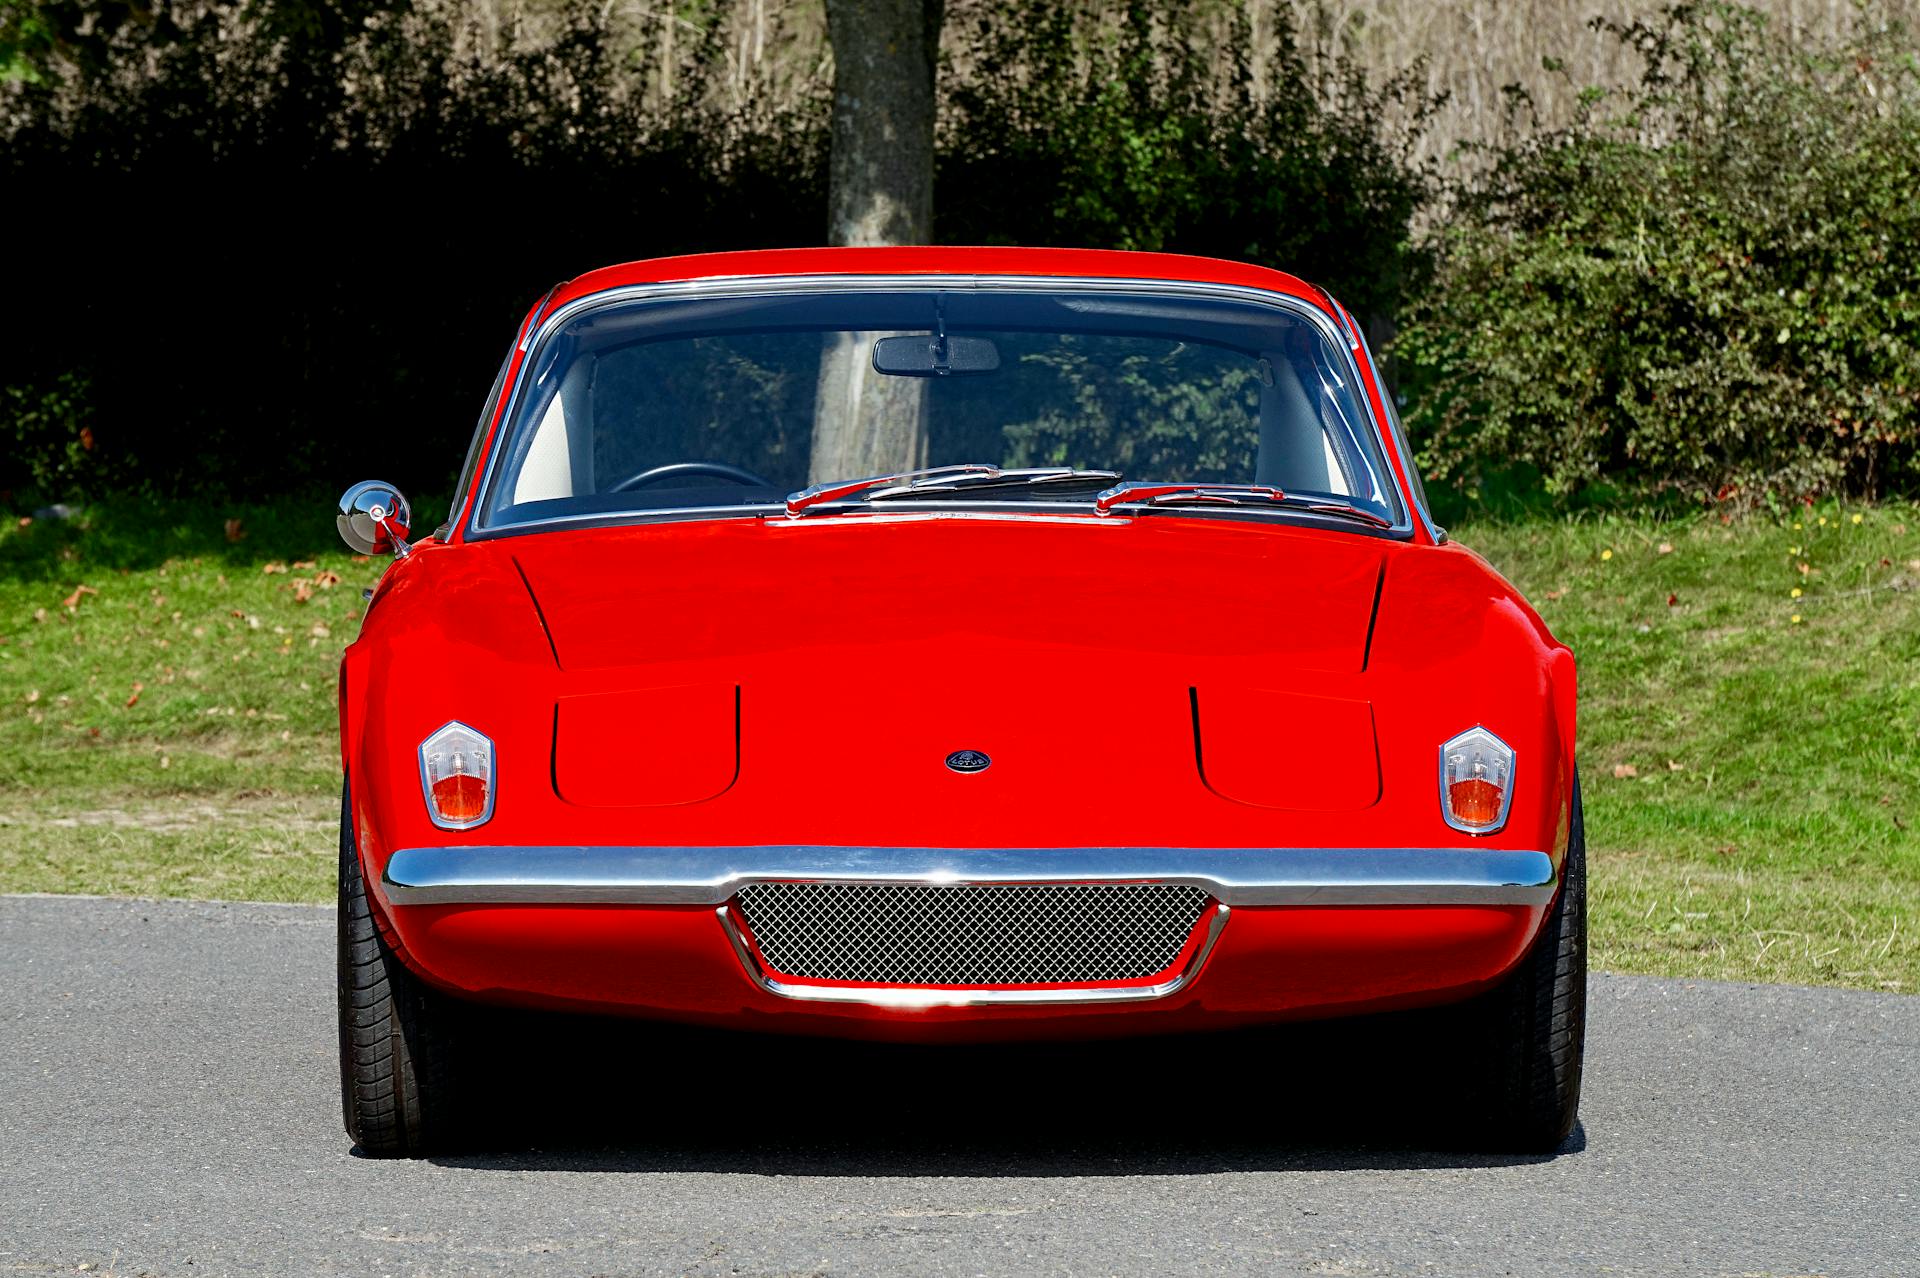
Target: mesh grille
1025 934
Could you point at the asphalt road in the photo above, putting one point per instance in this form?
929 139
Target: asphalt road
168 1105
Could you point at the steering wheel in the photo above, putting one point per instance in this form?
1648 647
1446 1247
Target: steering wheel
679 470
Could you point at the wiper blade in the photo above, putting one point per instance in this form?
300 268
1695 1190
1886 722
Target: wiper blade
1151 494
1321 506
835 489
992 478
938 479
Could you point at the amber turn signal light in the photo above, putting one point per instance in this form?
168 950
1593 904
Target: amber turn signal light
456 774
1476 781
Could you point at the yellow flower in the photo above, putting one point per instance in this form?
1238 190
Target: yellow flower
1793 550
1823 521
1606 555
1796 618
1796 527
1857 518
1794 593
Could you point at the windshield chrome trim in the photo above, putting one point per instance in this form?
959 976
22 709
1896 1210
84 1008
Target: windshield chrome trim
908 997
1068 512
531 875
1396 434
772 285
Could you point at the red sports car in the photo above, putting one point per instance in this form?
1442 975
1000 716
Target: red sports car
949 644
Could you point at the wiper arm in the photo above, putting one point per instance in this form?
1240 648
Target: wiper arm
1322 506
1023 477
938 479
834 489
1151 494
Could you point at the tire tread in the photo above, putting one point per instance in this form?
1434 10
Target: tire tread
1526 1039
398 1087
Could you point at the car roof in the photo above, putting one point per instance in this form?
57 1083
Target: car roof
940 260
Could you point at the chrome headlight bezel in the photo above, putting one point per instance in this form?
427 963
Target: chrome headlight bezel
1480 738
435 743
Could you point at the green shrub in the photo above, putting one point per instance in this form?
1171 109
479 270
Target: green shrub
283 245
326 216
47 442
1154 126
1705 288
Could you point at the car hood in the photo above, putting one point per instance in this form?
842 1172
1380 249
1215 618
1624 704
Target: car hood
1021 601
1160 681
1083 657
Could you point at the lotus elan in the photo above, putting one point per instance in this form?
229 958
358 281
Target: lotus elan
941 645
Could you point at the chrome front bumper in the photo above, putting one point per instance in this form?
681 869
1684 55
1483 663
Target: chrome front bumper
712 875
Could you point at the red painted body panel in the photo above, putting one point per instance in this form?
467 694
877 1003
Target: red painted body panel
1159 681
674 963
938 260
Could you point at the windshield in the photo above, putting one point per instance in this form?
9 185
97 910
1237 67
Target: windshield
724 403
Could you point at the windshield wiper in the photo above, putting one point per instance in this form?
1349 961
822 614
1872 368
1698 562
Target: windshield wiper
834 489
1151 494
972 476
1321 506
938 479
1024 477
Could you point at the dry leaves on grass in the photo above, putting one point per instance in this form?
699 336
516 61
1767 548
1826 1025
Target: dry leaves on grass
1625 772
72 602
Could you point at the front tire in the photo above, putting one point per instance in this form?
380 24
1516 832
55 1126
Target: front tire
398 1061
1521 1045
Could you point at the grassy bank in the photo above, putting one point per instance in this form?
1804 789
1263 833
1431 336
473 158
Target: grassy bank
1749 737
1751 757
168 688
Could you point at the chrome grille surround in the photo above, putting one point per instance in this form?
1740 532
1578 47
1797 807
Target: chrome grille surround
976 935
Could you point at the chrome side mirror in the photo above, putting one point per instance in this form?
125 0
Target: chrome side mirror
375 519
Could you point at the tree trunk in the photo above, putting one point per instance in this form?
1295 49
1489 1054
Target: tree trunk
880 191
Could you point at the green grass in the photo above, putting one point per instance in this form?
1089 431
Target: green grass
221 777
1752 782
1750 758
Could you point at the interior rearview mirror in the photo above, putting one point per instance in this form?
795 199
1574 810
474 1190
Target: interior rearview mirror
934 356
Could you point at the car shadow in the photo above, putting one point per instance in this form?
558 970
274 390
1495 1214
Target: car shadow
588 1095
